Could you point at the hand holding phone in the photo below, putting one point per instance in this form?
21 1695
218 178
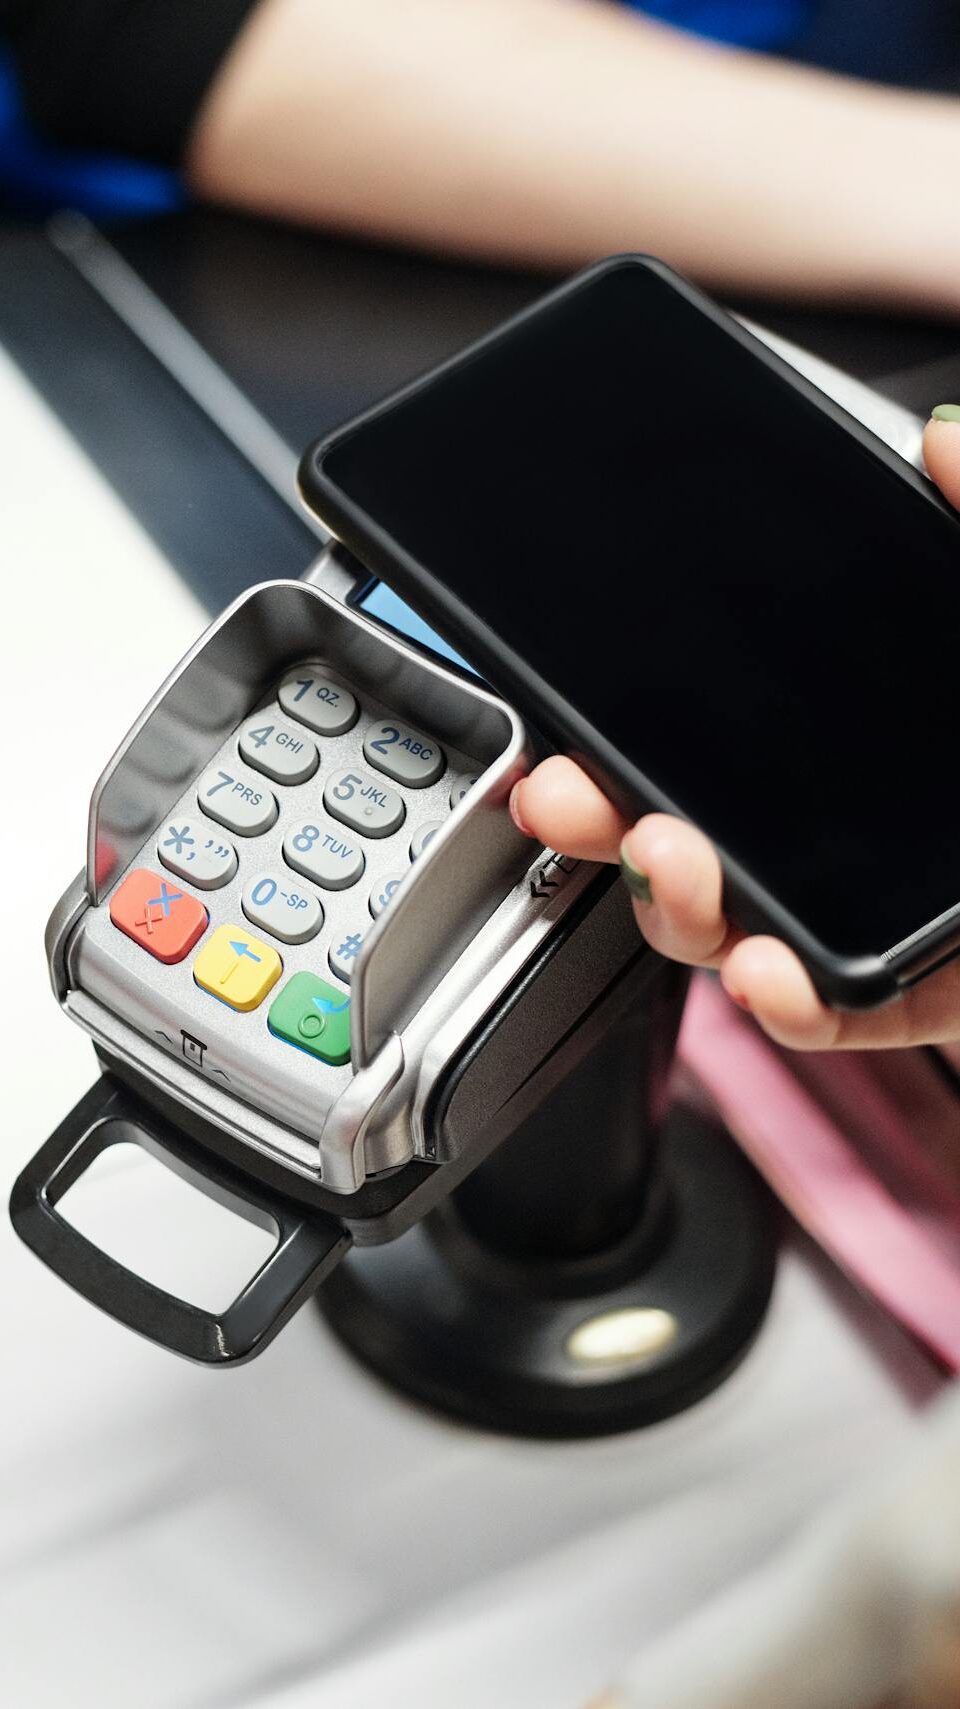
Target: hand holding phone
754 629
676 880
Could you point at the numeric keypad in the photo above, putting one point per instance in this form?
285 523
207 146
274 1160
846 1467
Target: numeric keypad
337 799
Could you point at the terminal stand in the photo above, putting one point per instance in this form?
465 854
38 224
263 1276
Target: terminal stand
608 1265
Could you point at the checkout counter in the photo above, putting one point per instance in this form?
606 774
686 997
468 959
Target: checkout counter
297 1534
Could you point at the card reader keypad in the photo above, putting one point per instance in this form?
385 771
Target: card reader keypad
297 836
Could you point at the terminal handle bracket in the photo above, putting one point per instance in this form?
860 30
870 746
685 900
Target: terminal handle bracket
308 1246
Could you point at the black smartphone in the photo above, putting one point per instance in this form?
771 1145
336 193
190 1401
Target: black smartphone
705 581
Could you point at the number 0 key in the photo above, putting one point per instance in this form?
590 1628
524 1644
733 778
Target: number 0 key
273 902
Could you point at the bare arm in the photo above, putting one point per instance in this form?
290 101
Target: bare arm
555 131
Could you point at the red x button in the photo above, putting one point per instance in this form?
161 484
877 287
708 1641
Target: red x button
158 915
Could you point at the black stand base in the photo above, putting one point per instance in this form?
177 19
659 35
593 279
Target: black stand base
573 1346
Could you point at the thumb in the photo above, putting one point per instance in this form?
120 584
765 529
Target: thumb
941 450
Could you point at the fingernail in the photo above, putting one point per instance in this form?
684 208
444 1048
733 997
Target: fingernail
738 997
636 881
515 812
946 412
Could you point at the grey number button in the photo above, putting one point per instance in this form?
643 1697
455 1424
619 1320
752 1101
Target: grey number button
404 754
383 893
273 902
363 803
323 853
462 787
317 700
425 835
280 750
186 847
238 800
343 954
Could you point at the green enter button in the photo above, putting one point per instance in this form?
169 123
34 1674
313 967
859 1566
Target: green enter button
314 1016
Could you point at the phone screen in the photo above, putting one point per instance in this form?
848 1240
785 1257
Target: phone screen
756 610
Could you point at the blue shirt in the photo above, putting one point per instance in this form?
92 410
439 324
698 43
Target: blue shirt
745 23
35 177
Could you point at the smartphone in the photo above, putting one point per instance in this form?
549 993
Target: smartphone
706 582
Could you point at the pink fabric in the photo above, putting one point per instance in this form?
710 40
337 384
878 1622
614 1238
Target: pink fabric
908 1259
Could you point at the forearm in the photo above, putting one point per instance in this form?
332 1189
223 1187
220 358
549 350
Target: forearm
554 131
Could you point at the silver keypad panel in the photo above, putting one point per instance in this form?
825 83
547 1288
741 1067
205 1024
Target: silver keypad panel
297 836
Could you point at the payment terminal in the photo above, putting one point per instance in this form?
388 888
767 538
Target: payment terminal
330 983
322 971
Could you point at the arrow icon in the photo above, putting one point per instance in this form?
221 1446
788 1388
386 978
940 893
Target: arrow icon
326 1007
240 948
541 885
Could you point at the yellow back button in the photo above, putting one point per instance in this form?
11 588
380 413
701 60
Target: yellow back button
237 968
